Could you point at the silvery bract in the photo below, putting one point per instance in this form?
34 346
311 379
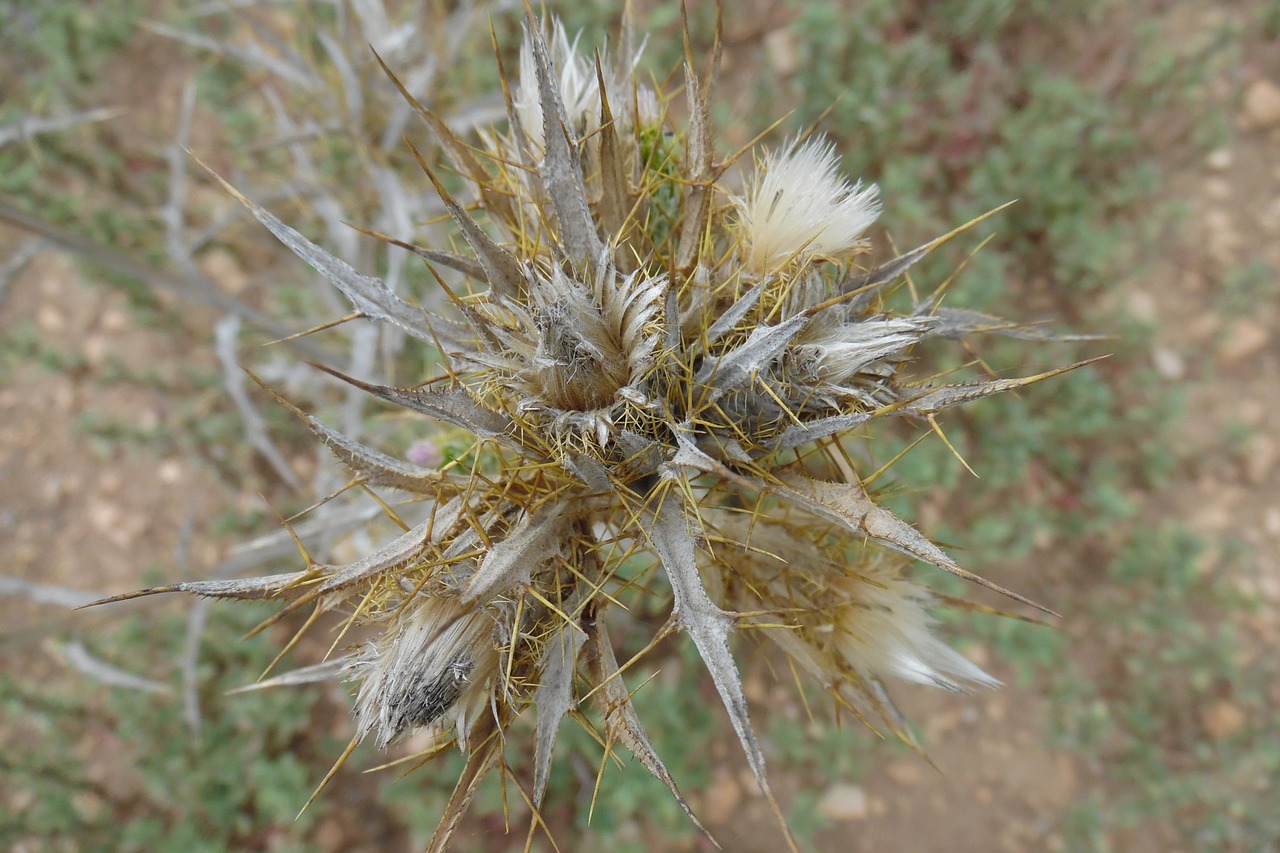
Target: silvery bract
660 369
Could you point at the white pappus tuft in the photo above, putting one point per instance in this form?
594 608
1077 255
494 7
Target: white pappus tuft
797 205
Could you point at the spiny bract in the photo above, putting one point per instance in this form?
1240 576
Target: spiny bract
658 370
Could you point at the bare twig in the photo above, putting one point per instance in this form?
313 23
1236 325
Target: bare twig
78 658
195 288
196 622
255 428
29 127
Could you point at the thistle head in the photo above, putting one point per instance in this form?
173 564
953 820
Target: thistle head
659 371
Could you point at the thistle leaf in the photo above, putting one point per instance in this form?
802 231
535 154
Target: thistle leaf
330 670
373 466
707 625
507 278
453 405
370 296
849 505
615 195
554 699
731 369
798 435
956 323
513 560
621 723
561 168
946 397
403 551
732 317
869 282
697 192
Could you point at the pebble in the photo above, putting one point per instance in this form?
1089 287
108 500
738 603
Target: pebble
780 48
1222 238
1169 364
223 268
1260 454
844 802
1243 339
170 471
1270 218
905 772
1218 189
1222 720
1220 159
1271 521
722 798
1142 305
1261 105
50 319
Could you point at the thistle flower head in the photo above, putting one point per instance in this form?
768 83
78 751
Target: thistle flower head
661 377
797 205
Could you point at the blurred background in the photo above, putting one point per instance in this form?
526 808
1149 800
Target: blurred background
1139 497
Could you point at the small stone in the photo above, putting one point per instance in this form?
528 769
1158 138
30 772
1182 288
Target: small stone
50 319
905 773
1252 412
1223 720
722 798
1271 521
104 517
1217 189
1270 218
1142 305
1261 105
96 348
331 835
844 802
64 394
1066 771
1169 364
224 269
1193 280
1260 454
780 47
114 320
1220 159
1221 237
1242 339
984 795
1213 517
170 471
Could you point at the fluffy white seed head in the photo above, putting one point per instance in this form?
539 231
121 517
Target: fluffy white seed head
884 630
798 206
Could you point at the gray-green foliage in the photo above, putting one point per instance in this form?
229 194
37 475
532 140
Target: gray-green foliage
103 768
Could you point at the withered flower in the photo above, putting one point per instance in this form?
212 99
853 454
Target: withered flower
662 374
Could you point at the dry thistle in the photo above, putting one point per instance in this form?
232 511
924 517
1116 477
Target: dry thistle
653 368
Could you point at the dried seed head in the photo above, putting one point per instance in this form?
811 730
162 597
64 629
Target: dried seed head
882 629
798 206
439 660
657 382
